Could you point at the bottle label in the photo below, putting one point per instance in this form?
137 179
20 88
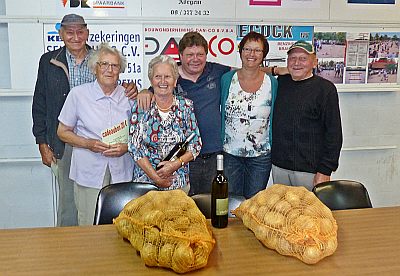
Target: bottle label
221 206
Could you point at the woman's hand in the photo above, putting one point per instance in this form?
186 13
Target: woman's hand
164 182
116 150
96 145
168 168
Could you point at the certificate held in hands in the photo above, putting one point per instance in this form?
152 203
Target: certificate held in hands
116 134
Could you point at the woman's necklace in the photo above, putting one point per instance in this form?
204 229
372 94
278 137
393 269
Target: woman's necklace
165 109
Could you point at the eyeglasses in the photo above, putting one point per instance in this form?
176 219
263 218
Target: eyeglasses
104 65
248 50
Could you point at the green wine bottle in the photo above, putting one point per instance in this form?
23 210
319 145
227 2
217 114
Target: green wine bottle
219 196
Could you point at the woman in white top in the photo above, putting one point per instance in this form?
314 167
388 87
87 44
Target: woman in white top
246 107
94 120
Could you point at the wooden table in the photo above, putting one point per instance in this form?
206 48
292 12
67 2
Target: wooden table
369 244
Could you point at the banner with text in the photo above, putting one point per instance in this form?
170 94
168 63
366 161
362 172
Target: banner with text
102 8
280 38
128 39
164 40
195 10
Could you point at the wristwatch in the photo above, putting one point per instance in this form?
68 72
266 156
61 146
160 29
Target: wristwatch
182 162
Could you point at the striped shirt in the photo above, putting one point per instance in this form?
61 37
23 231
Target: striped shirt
79 73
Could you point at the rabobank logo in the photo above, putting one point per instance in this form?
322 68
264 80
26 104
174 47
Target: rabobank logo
95 4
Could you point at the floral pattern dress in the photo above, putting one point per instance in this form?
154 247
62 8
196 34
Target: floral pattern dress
153 137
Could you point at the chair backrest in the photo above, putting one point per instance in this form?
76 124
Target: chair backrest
343 194
112 199
203 202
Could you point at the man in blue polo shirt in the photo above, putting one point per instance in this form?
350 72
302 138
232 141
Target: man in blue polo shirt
200 81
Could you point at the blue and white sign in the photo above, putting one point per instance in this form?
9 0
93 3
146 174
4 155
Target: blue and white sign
126 38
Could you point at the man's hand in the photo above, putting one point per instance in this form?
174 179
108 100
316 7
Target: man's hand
116 150
130 90
281 71
47 155
319 178
144 99
275 70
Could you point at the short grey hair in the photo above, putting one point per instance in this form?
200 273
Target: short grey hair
163 59
104 48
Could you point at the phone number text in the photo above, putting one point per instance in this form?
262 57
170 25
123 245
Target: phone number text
190 12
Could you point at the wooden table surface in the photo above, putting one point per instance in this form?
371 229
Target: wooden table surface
369 244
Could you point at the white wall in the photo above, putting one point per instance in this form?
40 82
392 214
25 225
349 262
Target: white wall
26 186
5 80
366 117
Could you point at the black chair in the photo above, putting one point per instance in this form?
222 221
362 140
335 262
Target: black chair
112 199
203 202
343 194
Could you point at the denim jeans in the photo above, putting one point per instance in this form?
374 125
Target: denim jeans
202 172
247 175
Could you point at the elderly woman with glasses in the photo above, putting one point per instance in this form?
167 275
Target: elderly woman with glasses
246 108
94 120
154 132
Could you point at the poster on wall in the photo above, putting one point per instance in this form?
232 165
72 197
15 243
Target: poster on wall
330 48
280 38
164 39
102 8
383 56
392 2
126 38
287 3
277 3
282 10
356 58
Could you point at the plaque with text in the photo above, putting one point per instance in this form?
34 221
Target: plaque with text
189 9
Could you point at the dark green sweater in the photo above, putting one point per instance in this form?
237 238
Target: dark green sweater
307 128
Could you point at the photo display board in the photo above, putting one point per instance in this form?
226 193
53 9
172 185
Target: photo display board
346 54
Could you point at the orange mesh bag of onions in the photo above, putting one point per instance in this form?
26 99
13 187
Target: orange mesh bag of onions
167 229
292 221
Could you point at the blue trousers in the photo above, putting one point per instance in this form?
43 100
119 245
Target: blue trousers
247 175
202 172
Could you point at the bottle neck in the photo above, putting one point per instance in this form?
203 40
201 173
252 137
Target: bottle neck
220 165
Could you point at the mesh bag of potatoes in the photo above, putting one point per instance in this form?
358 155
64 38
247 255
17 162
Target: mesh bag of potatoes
167 229
292 221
